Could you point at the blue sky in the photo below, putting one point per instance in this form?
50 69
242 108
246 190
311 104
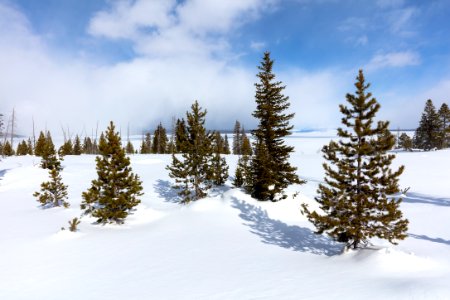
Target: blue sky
142 62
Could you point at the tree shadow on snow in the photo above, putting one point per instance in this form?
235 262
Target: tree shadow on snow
425 199
164 189
3 172
426 238
275 232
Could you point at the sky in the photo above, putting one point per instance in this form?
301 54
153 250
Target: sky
76 64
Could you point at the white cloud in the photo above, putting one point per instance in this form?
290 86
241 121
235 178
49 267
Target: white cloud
167 28
404 108
401 20
258 46
126 18
393 59
75 93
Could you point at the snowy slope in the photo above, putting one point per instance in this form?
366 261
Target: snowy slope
227 246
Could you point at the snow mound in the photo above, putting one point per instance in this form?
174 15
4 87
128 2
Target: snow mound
391 260
144 215
64 235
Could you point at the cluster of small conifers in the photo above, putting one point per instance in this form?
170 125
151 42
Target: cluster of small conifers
433 131
356 198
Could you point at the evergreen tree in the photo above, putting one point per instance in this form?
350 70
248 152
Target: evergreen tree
444 124
29 147
88 146
116 190
405 142
427 134
272 172
40 144
22 148
1 148
219 167
181 139
355 197
246 148
237 138
129 149
54 192
66 148
146 145
7 149
77 149
49 159
193 173
160 140
243 173
226 145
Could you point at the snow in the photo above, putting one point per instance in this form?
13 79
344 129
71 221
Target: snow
226 246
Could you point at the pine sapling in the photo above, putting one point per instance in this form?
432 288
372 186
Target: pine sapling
54 192
73 224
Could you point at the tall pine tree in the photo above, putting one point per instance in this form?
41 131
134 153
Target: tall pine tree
160 140
272 172
427 134
116 190
180 136
146 145
237 141
193 173
355 198
444 126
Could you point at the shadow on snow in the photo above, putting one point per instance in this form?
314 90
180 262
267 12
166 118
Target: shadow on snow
275 232
425 199
164 189
3 172
426 238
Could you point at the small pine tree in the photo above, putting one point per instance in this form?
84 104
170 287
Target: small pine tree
66 148
226 145
243 173
40 144
54 192
22 148
73 224
129 148
355 197
246 148
77 149
160 140
427 134
88 146
116 190
181 138
219 167
272 172
49 158
146 146
444 124
237 138
29 147
405 142
7 149
192 174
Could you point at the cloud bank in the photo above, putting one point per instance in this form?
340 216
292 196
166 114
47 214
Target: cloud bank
183 52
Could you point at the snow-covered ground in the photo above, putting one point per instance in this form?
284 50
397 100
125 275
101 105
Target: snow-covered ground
227 246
